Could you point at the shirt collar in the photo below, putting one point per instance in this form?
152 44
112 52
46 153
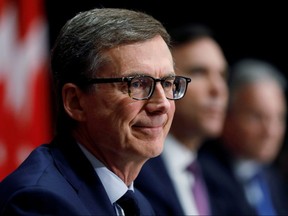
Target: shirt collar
246 169
176 155
114 186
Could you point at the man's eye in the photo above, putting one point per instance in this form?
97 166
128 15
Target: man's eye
167 84
139 83
136 84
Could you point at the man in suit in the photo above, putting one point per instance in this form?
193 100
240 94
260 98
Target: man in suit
167 180
115 90
238 167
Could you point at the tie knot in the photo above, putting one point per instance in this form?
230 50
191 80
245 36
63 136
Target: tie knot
258 194
194 168
129 204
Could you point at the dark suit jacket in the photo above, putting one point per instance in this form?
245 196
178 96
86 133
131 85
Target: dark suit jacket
154 182
57 179
226 193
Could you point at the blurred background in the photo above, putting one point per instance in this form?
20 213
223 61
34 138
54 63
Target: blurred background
28 29
244 28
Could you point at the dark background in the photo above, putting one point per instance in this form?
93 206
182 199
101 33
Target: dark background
243 29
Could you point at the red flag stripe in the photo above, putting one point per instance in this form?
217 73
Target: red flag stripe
29 11
24 87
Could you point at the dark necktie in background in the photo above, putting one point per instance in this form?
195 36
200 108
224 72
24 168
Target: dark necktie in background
129 204
259 195
199 190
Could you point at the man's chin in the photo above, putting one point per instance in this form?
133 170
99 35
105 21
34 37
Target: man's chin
213 130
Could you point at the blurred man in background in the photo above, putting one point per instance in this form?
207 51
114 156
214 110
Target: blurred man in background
238 168
169 180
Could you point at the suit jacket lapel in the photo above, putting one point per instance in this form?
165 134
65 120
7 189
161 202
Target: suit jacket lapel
159 186
78 171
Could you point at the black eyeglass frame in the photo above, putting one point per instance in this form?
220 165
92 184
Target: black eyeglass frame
128 80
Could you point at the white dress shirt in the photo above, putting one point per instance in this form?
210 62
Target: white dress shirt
177 158
114 186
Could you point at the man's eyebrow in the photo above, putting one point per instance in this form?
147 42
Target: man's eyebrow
192 68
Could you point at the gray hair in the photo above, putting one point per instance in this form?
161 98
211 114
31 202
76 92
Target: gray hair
79 51
248 71
83 39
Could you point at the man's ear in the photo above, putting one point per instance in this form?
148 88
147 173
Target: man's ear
71 95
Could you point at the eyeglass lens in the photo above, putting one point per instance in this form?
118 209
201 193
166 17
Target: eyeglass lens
143 87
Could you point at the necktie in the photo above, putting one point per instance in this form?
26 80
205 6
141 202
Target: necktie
199 190
259 196
129 204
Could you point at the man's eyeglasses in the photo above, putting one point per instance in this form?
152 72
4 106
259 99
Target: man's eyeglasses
141 87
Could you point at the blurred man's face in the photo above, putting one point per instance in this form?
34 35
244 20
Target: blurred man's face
256 122
202 110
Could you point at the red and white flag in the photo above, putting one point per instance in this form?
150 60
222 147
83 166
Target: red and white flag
25 116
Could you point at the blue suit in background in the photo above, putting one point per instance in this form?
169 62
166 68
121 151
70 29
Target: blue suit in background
68 180
226 192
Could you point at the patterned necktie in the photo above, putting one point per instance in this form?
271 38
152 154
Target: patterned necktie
199 190
129 204
259 195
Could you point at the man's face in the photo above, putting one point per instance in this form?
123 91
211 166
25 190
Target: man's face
256 121
201 111
117 125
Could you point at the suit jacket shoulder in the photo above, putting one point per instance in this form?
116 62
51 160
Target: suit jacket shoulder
55 179
156 185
